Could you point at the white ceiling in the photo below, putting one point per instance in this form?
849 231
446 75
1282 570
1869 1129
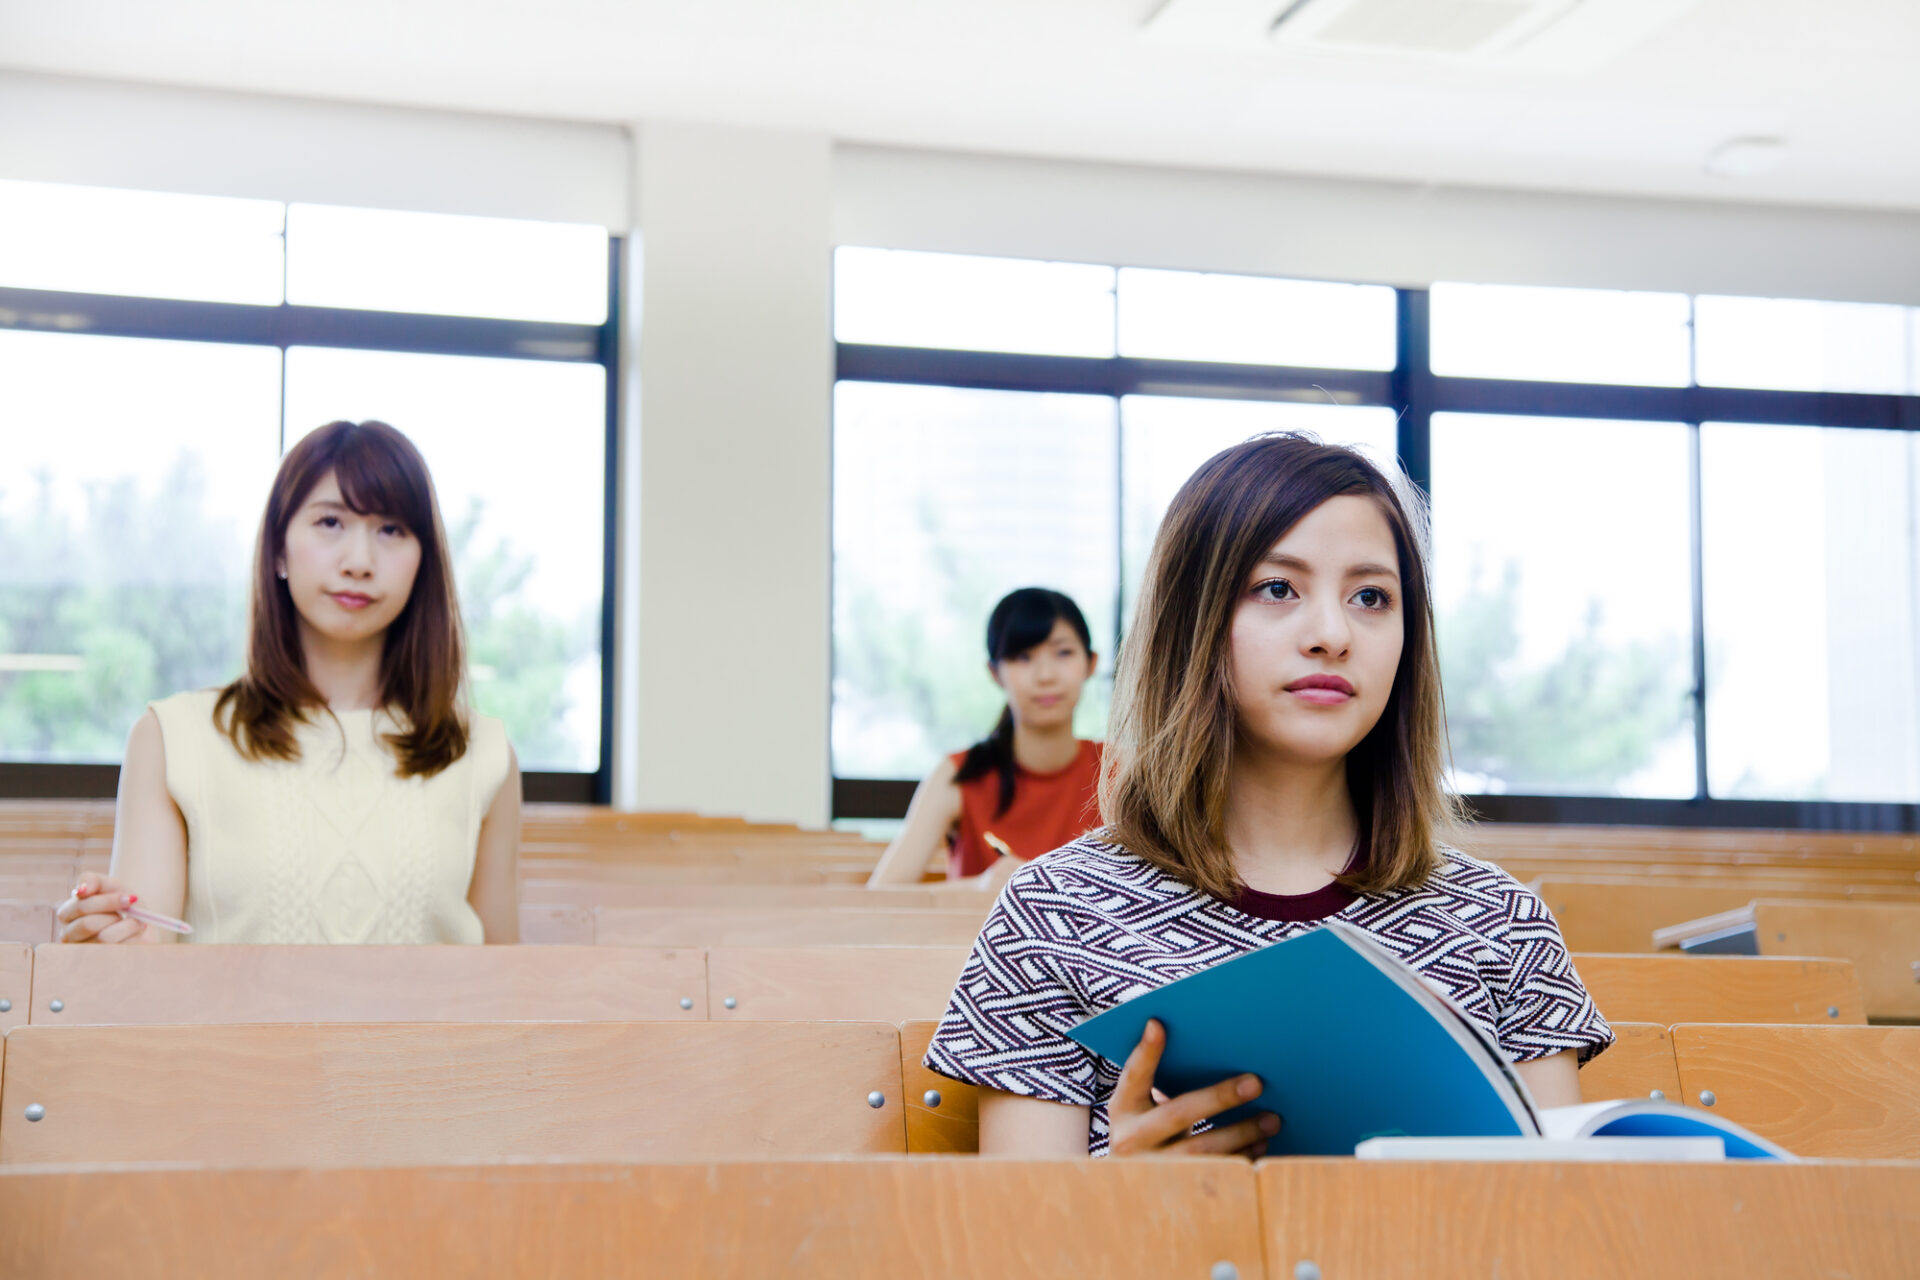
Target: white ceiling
1071 78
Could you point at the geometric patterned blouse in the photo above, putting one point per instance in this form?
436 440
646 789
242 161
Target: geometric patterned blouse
1089 925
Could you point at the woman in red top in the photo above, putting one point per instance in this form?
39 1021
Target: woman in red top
1029 786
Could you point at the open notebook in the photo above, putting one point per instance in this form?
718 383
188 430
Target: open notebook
1352 1044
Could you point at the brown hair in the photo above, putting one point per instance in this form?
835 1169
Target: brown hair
1163 793
422 666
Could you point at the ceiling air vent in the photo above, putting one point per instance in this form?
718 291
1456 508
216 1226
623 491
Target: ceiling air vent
1410 26
1532 35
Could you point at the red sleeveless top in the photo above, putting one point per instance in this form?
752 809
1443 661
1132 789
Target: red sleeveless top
1048 810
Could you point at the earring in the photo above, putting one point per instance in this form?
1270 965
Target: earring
283 575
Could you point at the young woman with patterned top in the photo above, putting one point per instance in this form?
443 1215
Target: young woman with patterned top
341 790
1029 786
1275 760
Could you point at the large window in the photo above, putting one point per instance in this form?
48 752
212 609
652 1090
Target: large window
158 353
1675 562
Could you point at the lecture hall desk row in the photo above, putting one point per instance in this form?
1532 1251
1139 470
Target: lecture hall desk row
1882 940
397 1093
919 1219
1610 913
56 985
207 994
593 832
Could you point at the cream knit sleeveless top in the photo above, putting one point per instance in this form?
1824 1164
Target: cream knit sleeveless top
332 847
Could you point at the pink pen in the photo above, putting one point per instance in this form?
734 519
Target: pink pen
154 918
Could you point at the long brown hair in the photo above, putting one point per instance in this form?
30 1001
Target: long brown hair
423 663
1170 746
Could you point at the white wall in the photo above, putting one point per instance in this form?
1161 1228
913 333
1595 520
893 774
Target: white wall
735 382
99 133
1336 229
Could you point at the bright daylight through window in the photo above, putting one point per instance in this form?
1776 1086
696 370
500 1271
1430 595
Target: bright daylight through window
136 468
1565 577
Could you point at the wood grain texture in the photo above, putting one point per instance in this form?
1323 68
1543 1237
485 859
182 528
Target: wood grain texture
804 984
877 1219
1724 845
346 1094
1843 1092
556 926
1674 988
806 897
953 1126
1408 1220
1882 940
1639 1061
16 984
122 986
700 871
1621 915
30 922
774 927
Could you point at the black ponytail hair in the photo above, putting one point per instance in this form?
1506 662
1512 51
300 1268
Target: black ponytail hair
1022 620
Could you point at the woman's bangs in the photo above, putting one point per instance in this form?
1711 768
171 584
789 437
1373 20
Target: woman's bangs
376 479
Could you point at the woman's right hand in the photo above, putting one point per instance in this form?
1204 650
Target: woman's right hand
93 913
1140 1125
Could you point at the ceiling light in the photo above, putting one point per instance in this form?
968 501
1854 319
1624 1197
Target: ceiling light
1745 157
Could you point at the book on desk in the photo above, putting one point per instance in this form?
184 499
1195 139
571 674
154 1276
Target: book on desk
1351 1044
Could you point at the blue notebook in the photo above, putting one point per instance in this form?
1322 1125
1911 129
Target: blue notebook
1350 1044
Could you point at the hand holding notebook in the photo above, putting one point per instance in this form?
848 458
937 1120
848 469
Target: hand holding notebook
1349 1043
1140 1123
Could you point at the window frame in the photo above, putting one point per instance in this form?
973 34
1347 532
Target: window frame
287 325
1416 393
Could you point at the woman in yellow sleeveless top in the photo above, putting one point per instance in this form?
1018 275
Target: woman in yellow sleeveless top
340 790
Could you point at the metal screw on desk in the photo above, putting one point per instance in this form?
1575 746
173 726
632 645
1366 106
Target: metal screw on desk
931 1097
35 1111
56 1005
1833 1011
1706 1097
1658 1095
1225 1271
876 1099
6 1006
1306 1269
731 1003
686 1002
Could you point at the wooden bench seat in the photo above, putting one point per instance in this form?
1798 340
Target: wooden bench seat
1670 988
108 986
307 1094
874 1219
886 984
1622 914
1587 1221
1658 989
29 922
1846 1092
774 927
16 984
603 893
1882 939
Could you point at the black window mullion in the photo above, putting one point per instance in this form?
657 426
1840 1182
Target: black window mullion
1697 580
607 350
110 315
1413 386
